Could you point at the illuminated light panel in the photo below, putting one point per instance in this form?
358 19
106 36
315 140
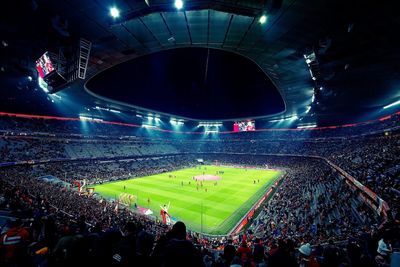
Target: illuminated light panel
42 84
263 19
392 104
114 12
149 126
178 4
108 109
56 96
176 122
85 118
210 124
306 126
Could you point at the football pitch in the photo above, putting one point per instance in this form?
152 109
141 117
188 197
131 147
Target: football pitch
209 206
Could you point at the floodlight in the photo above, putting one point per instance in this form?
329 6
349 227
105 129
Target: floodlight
306 126
178 4
391 105
263 19
42 84
114 12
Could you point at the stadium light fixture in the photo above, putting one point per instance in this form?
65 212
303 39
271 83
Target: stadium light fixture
114 12
275 120
294 117
108 109
178 4
42 84
56 96
263 19
85 118
392 104
209 124
147 126
306 126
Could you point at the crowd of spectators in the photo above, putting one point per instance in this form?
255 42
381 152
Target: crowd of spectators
313 205
101 171
75 127
372 160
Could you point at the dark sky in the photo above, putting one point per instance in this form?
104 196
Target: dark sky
175 82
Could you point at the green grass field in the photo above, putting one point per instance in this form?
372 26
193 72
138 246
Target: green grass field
213 212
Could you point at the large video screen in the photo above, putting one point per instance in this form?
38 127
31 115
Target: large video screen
44 65
244 126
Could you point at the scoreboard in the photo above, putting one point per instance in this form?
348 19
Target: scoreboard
244 126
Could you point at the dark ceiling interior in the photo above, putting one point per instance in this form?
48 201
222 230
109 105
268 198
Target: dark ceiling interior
355 45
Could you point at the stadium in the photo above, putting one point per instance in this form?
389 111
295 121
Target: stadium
199 133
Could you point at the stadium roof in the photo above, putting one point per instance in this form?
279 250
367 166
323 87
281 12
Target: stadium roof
331 61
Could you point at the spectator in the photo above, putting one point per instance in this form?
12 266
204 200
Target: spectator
306 259
14 243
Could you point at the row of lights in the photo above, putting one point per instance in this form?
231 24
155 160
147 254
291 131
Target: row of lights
156 118
115 13
209 124
176 122
86 118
